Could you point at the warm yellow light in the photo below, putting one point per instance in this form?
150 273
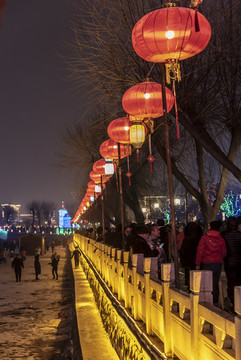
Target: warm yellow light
126 128
177 201
137 135
170 34
115 147
143 209
156 205
147 96
84 208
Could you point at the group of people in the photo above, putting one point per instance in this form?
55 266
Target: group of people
18 265
219 247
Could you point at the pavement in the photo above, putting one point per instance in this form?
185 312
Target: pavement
37 317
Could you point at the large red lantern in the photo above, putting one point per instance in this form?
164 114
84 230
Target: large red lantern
170 34
144 100
109 150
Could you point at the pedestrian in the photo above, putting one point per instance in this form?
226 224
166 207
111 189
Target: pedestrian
192 235
54 262
37 266
232 262
210 254
155 242
137 243
17 265
76 254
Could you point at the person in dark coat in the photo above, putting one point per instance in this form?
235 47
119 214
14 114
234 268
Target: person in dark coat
55 262
17 265
192 235
76 254
232 262
37 266
138 242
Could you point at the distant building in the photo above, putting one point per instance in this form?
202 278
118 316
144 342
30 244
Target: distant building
64 218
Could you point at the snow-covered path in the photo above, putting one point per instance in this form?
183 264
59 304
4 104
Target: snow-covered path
36 317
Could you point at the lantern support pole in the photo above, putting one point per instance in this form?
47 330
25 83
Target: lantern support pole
169 172
121 200
103 210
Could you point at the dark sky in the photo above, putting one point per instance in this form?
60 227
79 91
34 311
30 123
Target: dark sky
36 100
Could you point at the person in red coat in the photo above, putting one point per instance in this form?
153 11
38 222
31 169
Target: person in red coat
210 253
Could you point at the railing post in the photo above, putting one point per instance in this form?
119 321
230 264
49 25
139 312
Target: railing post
150 268
119 274
167 276
126 283
113 274
201 286
137 263
237 308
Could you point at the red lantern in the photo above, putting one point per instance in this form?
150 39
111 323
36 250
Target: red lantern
91 185
144 100
109 150
171 34
119 130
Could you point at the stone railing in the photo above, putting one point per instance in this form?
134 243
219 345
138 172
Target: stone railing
189 326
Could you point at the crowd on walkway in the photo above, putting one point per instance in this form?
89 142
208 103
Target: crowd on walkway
219 248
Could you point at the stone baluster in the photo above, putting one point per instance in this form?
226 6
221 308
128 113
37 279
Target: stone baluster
150 271
201 286
119 274
167 277
126 284
137 266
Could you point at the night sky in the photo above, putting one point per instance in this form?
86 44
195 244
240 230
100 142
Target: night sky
36 100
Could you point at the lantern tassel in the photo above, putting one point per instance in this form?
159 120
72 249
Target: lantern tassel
176 110
117 186
173 71
138 155
150 157
128 174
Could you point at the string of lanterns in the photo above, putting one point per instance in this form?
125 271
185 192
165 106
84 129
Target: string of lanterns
166 35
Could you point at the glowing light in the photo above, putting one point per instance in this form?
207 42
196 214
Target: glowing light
177 201
170 34
147 96
97 188
92 198
143 210
109 169
156 205
126 128
115 147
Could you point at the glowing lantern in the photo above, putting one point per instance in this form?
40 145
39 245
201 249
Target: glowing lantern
169 35
144 100
97 188
109 150
103 168
119 130
95 177
91 185
137 134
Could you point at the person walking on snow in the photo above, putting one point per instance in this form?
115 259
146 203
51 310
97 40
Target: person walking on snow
37 266
17 265
54 262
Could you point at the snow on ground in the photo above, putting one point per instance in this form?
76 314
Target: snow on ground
36 317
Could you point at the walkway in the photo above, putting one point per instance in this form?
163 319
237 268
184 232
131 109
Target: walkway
36 317
94 341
